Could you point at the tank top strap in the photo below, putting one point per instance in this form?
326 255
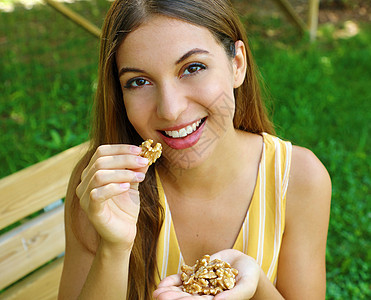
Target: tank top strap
261 233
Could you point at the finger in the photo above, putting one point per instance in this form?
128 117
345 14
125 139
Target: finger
172 280
108 191
126 202
111 150
126 161
242 291
113 162
170 292
104 177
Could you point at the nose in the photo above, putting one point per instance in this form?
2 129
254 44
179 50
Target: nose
171 102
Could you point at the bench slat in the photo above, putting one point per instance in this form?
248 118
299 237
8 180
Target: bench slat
41 285
31 245
35 187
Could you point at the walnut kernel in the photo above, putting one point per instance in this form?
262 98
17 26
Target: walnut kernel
208 277
152 153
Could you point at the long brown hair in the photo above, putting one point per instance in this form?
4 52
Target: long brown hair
111 124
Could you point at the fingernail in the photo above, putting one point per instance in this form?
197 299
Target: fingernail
139 176
135 149
142 161
125 186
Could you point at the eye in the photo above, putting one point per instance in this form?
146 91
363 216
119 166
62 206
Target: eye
193 68
136 82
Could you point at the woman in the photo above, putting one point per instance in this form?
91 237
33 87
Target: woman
181 73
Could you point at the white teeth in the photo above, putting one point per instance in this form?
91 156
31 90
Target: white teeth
175 134
189 129
184 131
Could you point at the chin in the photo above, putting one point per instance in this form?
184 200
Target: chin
187 159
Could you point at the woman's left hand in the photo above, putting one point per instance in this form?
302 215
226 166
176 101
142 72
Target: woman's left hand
246 281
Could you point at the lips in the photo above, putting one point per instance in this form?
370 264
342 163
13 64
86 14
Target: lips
185 137
183 132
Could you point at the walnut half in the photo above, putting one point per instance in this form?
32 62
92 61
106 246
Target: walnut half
208 277
152 153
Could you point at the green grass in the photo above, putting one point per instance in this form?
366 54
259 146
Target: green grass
48 69
321 99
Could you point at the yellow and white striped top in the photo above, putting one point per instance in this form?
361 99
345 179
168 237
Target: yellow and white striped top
261 233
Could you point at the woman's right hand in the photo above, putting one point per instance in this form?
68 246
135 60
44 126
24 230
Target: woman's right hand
109 195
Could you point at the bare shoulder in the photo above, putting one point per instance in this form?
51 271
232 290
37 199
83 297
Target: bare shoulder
309 183
302 268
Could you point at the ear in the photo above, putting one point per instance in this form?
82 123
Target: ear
239 64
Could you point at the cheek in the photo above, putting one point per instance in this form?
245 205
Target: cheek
138 114
216 94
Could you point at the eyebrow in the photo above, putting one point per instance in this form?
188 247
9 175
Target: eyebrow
128 69
183 58
190 53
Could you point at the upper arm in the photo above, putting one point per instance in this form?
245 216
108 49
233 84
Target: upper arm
301 267
78 255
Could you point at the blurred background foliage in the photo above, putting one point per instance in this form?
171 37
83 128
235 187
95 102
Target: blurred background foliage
320 96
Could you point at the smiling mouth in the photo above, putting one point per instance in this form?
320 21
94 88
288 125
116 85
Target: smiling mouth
185 131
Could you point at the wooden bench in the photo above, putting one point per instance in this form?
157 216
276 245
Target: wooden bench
31 254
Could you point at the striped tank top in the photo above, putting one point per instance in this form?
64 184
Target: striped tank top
262 230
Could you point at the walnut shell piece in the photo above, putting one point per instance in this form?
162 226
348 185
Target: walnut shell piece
208 277
152 153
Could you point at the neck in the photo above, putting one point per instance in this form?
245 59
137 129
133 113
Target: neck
211 177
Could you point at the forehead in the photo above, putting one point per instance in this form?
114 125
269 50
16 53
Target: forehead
165 37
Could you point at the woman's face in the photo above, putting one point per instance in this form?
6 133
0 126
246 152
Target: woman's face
177 83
